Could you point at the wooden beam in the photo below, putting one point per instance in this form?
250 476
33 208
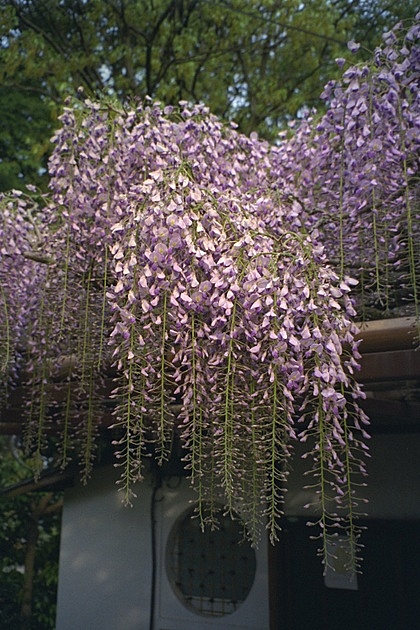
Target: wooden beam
50 481
388 356
388 334
395 365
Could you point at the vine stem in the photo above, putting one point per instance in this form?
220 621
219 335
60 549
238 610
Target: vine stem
273 476
162 401
351 515
65 286
103 310
197 429
228 414
128 429
42 393
6 361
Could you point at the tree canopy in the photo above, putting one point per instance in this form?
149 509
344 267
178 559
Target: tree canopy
259 63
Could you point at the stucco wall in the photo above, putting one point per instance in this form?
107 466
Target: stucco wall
105 558
105 572
106 561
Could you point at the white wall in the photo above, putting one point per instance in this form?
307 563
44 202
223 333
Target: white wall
105 558
172 614
106 564
105 570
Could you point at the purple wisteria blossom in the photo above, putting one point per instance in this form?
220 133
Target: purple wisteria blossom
355 173
218 279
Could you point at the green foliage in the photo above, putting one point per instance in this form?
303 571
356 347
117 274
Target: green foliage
259 63
18 517
26 122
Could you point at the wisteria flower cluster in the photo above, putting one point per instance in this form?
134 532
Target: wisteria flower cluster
19 278
357 174
169 254
213 274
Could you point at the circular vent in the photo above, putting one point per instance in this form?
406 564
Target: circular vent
213 571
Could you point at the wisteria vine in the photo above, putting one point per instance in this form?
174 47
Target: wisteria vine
356 171
215 275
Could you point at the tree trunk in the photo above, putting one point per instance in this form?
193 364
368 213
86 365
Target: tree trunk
28 581
38 509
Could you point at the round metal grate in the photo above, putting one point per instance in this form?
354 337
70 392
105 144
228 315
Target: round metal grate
213 571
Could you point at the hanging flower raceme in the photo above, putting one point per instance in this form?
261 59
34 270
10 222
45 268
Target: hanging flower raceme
244 327
191 261
212 273
356 173
171 256
21 251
